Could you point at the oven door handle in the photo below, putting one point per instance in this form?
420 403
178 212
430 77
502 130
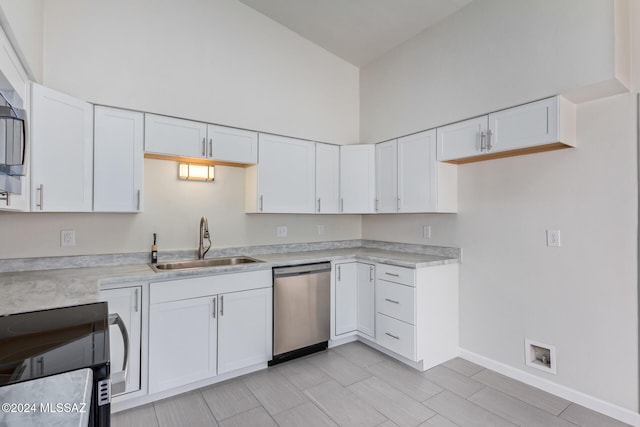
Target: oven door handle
119 379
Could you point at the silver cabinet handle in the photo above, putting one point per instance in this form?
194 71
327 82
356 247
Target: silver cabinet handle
214 308
210 147
119 379
398 204
339 275
392 301
135 303
204 147
261 203
371 274
341 204
392 336
221 305
139 199
391 274
489 134
377 204
40 361
4 195
41 189
483 137
319 205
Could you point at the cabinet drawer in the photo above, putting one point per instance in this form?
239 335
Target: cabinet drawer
395 301
395 335
393 273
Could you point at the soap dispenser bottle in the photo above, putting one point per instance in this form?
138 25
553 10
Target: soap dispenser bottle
154 251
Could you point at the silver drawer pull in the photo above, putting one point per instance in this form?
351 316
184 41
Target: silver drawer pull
392 301
392 336
392 274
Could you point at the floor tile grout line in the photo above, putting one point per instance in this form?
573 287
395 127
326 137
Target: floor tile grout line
524 401
207 403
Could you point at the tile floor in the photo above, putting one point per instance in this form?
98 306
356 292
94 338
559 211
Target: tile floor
354 385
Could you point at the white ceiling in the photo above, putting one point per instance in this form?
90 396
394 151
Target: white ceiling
357 30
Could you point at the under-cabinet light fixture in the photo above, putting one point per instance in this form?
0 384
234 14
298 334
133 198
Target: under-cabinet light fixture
195 172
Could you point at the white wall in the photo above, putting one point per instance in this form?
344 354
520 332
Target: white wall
581 297
26 18
492 54
172 208
212 60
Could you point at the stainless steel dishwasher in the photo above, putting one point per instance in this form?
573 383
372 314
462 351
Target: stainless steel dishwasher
301 310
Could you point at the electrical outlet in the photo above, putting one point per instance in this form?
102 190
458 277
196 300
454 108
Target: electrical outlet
281 231
426 232
553 238
320 230
67 238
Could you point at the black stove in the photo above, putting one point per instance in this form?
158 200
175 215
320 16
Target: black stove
42 343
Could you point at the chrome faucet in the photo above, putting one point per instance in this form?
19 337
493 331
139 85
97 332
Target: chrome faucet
204 234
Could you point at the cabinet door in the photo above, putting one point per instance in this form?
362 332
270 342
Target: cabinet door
524 126
346 298
61 152
327 178
366 299
357 178
244 329
417 172
462 139
387 177
126 303
174 137
232 145
182 342
286 175
118 154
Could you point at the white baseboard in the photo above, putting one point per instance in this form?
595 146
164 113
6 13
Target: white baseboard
614 411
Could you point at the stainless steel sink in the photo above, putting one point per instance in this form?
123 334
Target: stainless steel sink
202 263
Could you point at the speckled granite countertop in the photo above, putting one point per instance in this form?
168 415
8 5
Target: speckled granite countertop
56 287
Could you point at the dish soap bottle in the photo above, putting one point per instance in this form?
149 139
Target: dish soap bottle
154 251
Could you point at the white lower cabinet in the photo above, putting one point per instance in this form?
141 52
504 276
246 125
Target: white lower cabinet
126 302
354 298
206 326
182 342
417 312
346 297
366 299
244 329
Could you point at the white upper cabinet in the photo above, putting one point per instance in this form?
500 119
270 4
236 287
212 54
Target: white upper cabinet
357 178
232 145
175 137
118 164
462 139
285 178
327 178
539 126
387 177
410 179
61 152
424 184
169 136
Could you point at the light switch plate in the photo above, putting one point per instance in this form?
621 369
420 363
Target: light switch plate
320 229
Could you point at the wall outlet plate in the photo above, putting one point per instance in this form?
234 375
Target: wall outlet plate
281 231
67 238
320 229
553 238
426 232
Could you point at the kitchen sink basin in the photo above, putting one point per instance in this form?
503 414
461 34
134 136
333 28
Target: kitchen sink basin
202 263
